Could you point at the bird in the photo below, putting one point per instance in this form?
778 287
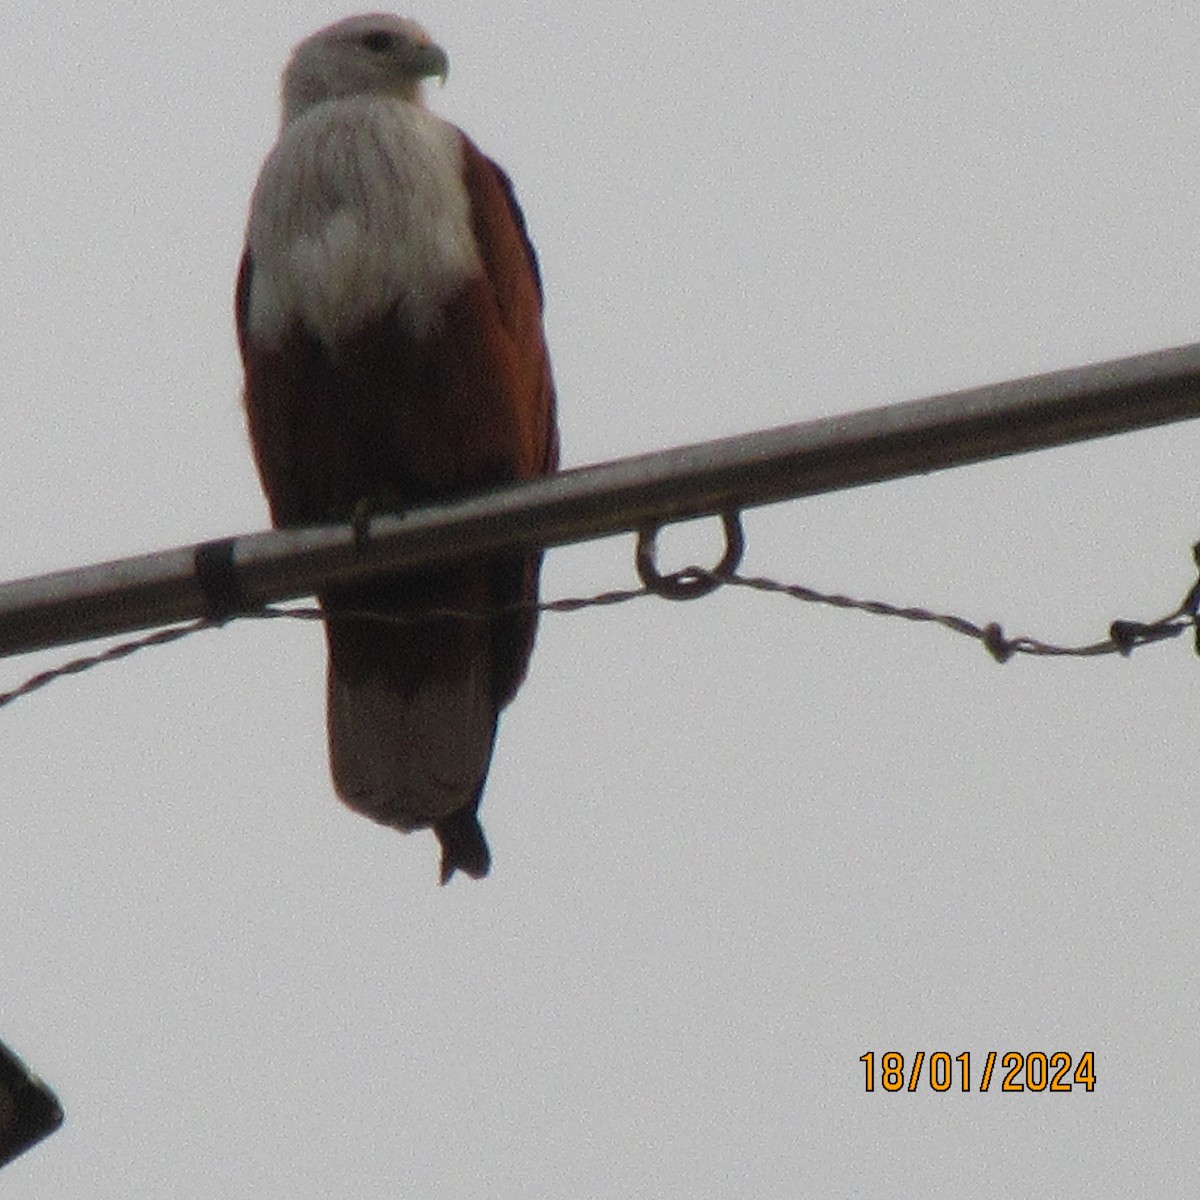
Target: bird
389 318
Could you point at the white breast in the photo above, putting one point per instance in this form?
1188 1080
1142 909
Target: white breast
359 207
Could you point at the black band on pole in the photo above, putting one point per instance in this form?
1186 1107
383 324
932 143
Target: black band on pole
217 577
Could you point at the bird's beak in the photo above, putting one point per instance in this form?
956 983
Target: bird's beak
432 62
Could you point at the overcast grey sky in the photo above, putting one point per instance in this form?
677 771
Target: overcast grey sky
738 843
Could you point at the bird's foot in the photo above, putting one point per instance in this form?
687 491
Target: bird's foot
367 509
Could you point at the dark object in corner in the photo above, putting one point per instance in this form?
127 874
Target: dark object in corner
29 1110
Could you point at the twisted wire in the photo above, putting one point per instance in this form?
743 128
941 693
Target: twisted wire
691 582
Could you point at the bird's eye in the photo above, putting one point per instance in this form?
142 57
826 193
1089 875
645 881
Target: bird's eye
378 42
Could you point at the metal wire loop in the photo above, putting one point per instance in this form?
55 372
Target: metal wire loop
690 583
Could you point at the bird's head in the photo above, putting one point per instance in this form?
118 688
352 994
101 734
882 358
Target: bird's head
372 54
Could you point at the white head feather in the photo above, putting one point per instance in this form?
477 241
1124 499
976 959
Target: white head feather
374 54
361 206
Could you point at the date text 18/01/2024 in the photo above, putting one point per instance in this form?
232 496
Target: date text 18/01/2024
1033 1071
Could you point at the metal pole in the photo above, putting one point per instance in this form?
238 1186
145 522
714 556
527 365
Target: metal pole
733 473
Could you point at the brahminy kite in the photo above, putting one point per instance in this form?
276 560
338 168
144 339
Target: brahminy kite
389 314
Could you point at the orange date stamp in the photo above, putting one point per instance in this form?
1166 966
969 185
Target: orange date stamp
1012 1071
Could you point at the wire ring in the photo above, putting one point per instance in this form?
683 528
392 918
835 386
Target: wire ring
690 583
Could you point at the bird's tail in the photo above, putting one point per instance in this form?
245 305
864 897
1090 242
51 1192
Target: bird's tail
412 717
464 847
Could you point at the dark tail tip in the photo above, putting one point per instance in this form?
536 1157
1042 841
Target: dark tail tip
464 847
